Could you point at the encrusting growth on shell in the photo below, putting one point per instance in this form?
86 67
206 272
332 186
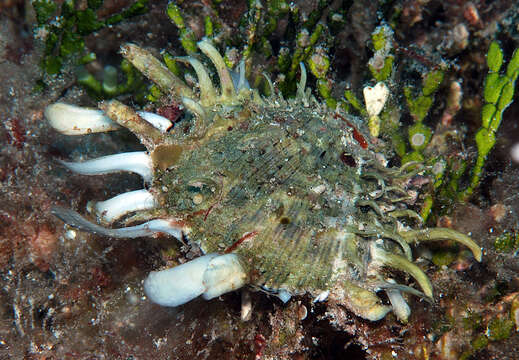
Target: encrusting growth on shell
130 119
283 195
155 70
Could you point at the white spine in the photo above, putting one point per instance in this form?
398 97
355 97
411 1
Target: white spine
74 120
224 274
138 162
398 303
210 276
160 122
178 285
151 227
112 209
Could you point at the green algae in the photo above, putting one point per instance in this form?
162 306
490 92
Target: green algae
473 321
385 71
110 86
44 10
66 26
479 342
305 43
498 91
499 329
443 258
381 64
507 242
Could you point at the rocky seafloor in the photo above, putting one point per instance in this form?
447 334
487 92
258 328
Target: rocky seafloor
71 295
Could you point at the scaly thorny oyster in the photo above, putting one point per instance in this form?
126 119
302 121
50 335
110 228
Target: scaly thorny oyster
284 195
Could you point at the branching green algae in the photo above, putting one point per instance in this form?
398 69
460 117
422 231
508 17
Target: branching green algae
63 27
498 92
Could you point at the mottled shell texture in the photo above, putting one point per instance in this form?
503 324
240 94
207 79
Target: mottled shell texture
295 189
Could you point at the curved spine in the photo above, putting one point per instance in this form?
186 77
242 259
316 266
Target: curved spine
228 92
435 234
160 122
207 90
154 70
73 219
401 263
138 162
112 209
74 120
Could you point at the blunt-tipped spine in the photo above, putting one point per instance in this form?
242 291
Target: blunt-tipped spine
398 303
130 119
436 234
226 83
207 90
224 273
160 122
364 303
74 120
301 86
178 285
211 275
138 162
154 70
384 258
112 209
